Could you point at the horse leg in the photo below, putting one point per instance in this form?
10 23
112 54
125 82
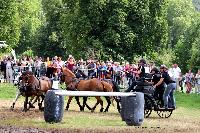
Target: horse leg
98 101
40 103
31 104
25 104
69 100
16 97
78 102
85 103
109 102
118 105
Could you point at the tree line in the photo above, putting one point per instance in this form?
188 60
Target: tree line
165 31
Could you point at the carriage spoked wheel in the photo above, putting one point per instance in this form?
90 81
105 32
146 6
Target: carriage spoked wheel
165 113
147 106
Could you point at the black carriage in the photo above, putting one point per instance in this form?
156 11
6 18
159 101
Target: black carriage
152 102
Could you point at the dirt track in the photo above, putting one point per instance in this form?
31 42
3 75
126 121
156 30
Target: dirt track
166 126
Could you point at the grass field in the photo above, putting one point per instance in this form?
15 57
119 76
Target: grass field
185 118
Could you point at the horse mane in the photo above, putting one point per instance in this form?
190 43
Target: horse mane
69 72
27 72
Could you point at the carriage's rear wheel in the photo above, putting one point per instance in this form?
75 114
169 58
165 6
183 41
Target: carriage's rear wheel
147 106
164 113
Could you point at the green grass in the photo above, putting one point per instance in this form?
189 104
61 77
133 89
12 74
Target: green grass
187 100
7 91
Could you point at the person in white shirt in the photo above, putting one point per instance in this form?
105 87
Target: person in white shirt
197 85
9 71
176 75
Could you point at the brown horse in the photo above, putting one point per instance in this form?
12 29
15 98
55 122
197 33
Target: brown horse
33 86
85 85
115 88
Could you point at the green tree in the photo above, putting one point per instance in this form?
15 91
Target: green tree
31 19
49 37
118 29
9 22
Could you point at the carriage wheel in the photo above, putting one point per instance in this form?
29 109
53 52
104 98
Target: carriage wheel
147 106
164 113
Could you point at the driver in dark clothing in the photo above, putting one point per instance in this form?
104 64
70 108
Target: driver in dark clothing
141 73
169 90
159 90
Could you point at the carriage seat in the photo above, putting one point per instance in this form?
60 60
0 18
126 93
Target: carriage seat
144 87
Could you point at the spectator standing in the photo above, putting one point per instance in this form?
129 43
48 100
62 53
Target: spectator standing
189 78
109 72
102 70
117 72
176 75
9 71
49 72
91 68
197 84
71 63
3 68
37 65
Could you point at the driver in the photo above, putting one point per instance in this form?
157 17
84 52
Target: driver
169 90
141 73
159 90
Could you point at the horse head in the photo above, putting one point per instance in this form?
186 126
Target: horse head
29 83
67 75
26 78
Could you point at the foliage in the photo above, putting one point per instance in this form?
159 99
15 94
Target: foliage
160 30
194 61
9 22
31 19
164 56
117 29
183 27
29 53
49 37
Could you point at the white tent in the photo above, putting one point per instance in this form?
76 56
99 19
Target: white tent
3 44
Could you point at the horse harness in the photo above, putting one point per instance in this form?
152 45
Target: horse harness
77 81
36 87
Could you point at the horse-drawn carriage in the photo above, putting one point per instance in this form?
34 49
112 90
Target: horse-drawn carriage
152 102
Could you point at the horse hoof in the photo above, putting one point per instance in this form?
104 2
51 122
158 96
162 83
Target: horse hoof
41 109
31 106
92 110
24 110
101 110
81 109
66 109
11 108
105 110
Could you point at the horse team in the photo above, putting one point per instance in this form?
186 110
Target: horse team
35 88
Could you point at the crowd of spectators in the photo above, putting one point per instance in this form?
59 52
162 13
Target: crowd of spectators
123 73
